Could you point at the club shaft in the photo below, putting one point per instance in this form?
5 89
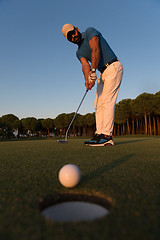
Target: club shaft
75 115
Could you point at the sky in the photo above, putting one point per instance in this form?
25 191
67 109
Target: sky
40 75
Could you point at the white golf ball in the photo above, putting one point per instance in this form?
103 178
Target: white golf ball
69 175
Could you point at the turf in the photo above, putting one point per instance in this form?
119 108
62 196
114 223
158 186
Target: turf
127 174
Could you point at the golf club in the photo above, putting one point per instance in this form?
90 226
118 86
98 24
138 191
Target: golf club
65 141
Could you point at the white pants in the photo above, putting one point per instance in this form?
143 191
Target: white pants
107 91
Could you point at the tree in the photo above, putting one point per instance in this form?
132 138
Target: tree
90 122
60 122
84 121
136 116
123 113
79 123
75 123
9 123
48 124
39 126
143 105
117 121
156 112
30 124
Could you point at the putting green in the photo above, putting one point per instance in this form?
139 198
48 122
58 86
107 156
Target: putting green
126 174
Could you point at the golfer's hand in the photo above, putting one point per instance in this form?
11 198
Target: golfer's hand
89 83
92 76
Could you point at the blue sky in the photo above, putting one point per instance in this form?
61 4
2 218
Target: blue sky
40 75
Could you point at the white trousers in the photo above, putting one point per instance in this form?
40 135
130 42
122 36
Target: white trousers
107 91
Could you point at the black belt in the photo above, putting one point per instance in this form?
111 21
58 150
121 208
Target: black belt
109 63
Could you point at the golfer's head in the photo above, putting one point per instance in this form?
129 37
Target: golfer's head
71 33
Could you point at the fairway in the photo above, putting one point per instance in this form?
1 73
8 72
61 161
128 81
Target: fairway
127 174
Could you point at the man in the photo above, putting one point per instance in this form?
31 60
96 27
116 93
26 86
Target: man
95 53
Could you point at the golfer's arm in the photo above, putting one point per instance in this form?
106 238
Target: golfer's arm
85 68
95 57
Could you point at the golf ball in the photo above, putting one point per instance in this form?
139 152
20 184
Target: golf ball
69 175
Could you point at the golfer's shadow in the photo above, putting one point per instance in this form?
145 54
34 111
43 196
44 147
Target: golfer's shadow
106 168
132 141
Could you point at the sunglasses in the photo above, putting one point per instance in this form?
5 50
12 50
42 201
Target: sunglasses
70 34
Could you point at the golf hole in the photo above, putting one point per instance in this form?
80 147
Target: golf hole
75 208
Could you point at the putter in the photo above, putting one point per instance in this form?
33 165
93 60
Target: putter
65 141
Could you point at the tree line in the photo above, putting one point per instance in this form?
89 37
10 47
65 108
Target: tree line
132 116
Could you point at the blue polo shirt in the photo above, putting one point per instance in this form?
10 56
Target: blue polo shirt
84 50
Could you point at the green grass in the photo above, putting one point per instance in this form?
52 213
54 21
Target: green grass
128 174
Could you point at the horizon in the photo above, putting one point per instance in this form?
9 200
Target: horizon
41 118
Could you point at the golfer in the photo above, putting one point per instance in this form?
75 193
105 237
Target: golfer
95 54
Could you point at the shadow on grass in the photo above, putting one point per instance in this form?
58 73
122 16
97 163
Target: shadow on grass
106 168
132 141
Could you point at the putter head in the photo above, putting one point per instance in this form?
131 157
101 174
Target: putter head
62 141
